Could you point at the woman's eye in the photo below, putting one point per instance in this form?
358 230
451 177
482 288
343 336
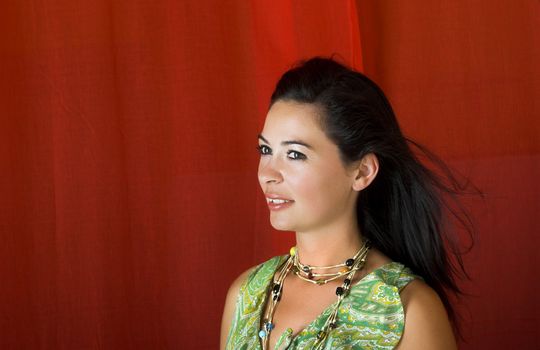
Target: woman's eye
296 155
263 150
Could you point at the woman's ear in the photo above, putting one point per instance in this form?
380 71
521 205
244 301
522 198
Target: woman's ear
366 170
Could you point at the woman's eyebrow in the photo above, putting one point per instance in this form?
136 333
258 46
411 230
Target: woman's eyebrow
262 138
290 142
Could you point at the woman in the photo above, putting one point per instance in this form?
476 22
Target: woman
371 237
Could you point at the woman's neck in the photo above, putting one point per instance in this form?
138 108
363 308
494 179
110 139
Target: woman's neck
329 246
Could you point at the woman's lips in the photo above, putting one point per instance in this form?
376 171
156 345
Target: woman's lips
278 203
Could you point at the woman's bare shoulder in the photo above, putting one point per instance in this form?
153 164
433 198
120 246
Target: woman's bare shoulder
234 289
230 303
426 321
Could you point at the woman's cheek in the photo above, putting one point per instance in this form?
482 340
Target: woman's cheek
311 191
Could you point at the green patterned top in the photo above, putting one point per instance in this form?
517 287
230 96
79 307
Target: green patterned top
370 317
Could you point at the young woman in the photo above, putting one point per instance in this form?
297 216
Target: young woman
372 261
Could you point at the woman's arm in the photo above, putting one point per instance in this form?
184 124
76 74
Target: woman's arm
230 303
426 322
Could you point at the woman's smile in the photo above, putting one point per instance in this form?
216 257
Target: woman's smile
277 201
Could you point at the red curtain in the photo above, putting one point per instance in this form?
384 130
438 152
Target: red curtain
128 143
129 199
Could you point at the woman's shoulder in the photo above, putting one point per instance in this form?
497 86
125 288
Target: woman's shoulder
397 286
392 289
411 287
261 271
249 282
230 305
427 323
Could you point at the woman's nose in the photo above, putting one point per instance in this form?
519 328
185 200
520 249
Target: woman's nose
269 172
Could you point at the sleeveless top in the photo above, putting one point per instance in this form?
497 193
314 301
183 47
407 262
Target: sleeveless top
370 317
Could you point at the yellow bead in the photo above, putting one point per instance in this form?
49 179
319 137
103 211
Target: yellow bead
292 251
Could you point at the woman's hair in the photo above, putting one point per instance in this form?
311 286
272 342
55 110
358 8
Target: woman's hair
403 212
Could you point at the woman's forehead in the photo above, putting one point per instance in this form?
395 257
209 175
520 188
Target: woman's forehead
292 119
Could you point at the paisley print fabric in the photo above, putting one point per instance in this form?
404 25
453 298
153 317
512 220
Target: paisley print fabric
370 317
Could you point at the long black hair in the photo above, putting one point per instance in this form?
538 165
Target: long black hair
407 209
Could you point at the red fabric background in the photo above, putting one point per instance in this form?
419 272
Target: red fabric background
128 196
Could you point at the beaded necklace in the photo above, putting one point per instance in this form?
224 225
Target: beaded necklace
304 272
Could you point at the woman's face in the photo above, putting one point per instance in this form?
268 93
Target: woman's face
306 185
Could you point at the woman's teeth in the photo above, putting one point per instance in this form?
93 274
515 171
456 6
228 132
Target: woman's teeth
277 201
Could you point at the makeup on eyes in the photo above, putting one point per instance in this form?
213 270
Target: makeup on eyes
300 155
265 150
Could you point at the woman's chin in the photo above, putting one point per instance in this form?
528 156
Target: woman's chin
281 225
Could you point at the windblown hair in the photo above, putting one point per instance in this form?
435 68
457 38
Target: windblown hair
406 210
